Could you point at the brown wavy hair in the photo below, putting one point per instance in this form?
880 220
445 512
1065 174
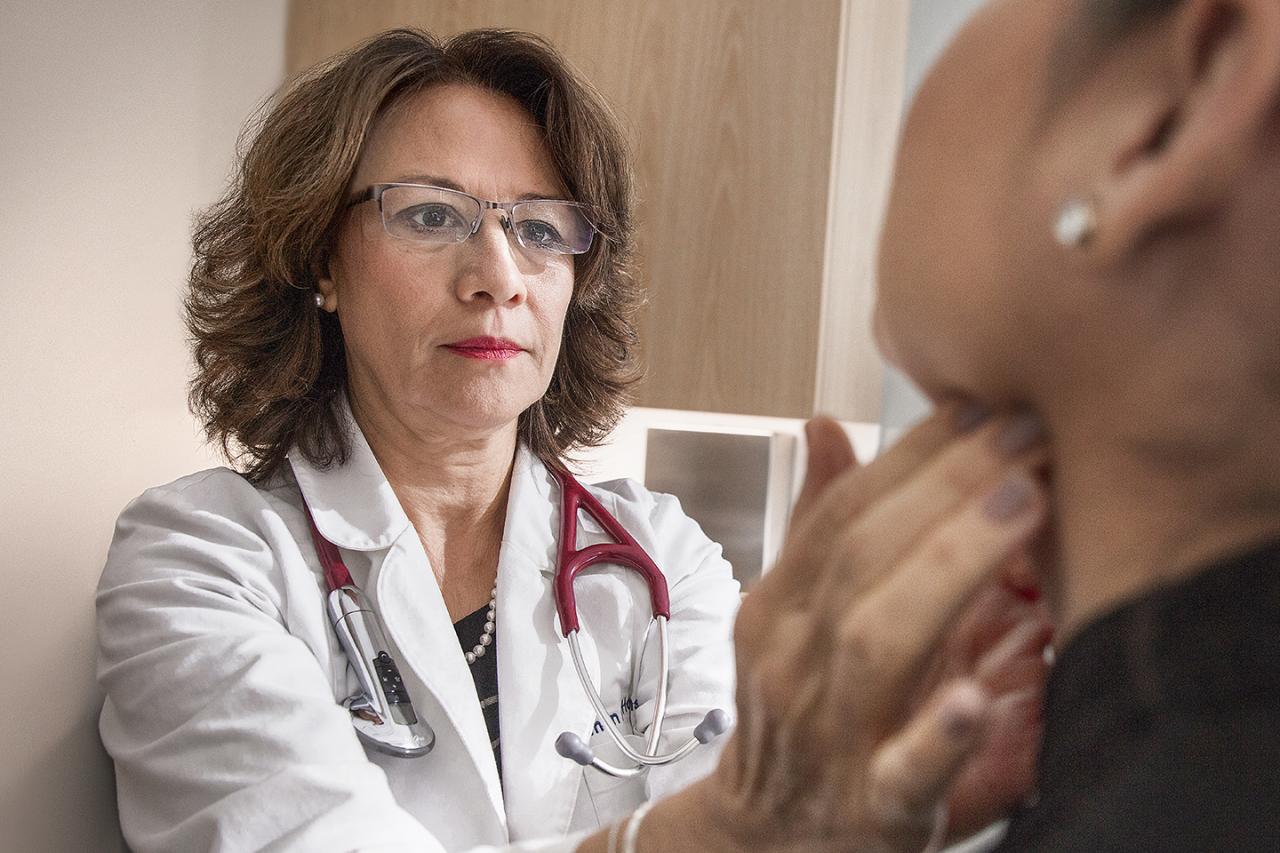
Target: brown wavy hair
271 367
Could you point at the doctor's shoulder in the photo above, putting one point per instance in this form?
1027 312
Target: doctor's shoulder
212 528
660 525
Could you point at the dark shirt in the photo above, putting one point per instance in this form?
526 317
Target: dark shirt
484 672
1162 723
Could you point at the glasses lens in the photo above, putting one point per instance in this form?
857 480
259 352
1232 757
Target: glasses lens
428 214
558 227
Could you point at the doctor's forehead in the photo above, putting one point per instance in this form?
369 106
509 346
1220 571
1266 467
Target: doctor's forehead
473 139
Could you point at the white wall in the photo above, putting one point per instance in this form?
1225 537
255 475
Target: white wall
117 121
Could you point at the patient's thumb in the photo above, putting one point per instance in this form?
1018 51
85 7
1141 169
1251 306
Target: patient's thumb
830 455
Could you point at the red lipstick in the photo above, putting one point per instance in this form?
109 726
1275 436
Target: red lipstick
486 348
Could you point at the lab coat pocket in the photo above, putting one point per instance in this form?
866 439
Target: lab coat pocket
603 799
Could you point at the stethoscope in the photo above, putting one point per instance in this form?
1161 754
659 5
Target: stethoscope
381 709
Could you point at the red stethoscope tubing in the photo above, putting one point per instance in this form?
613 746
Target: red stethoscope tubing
336 575
570 560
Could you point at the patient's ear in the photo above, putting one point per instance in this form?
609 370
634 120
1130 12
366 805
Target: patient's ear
1210 110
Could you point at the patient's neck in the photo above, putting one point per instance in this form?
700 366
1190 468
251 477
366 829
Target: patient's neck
1136 508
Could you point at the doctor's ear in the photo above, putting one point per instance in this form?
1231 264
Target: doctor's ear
1198 116
326 287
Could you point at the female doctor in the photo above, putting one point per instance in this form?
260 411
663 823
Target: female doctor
413 301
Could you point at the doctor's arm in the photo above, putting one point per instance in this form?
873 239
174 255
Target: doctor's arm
222 724
846 738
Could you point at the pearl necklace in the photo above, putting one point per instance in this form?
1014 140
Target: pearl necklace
486 639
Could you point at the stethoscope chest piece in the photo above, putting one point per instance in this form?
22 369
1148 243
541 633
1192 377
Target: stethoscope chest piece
627 553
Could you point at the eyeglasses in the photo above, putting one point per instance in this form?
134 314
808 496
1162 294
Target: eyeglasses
426 214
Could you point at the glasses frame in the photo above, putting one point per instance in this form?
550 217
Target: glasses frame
375 191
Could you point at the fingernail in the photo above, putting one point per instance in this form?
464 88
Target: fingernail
970 416
962 714
1011 498
959 724
1020 435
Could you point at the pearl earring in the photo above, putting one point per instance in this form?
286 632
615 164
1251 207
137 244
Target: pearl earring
1077 224
319 299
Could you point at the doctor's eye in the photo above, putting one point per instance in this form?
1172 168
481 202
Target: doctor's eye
541 235
431 221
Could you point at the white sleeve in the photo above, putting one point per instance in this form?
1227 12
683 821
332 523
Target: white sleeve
704 603
222 724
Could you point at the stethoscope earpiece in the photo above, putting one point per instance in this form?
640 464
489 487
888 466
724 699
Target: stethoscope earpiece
575 749
714 724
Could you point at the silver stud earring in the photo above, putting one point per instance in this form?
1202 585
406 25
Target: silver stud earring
1077 224
319 299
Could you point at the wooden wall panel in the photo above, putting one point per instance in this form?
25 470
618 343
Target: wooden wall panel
730 105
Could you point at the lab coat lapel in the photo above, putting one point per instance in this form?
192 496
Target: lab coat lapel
353 505
539 695
355 508
417 619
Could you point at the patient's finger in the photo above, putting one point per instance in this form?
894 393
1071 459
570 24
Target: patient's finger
919 445
829 508
891 629
910 774
830 455
852 493
891 527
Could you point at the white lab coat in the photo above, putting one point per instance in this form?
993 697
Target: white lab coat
223 677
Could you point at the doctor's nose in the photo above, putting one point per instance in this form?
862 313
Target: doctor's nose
492 267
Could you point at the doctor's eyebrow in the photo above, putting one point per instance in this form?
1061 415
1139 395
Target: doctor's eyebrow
441 181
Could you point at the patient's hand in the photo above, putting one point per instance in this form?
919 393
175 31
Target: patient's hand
871 665
1001 641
